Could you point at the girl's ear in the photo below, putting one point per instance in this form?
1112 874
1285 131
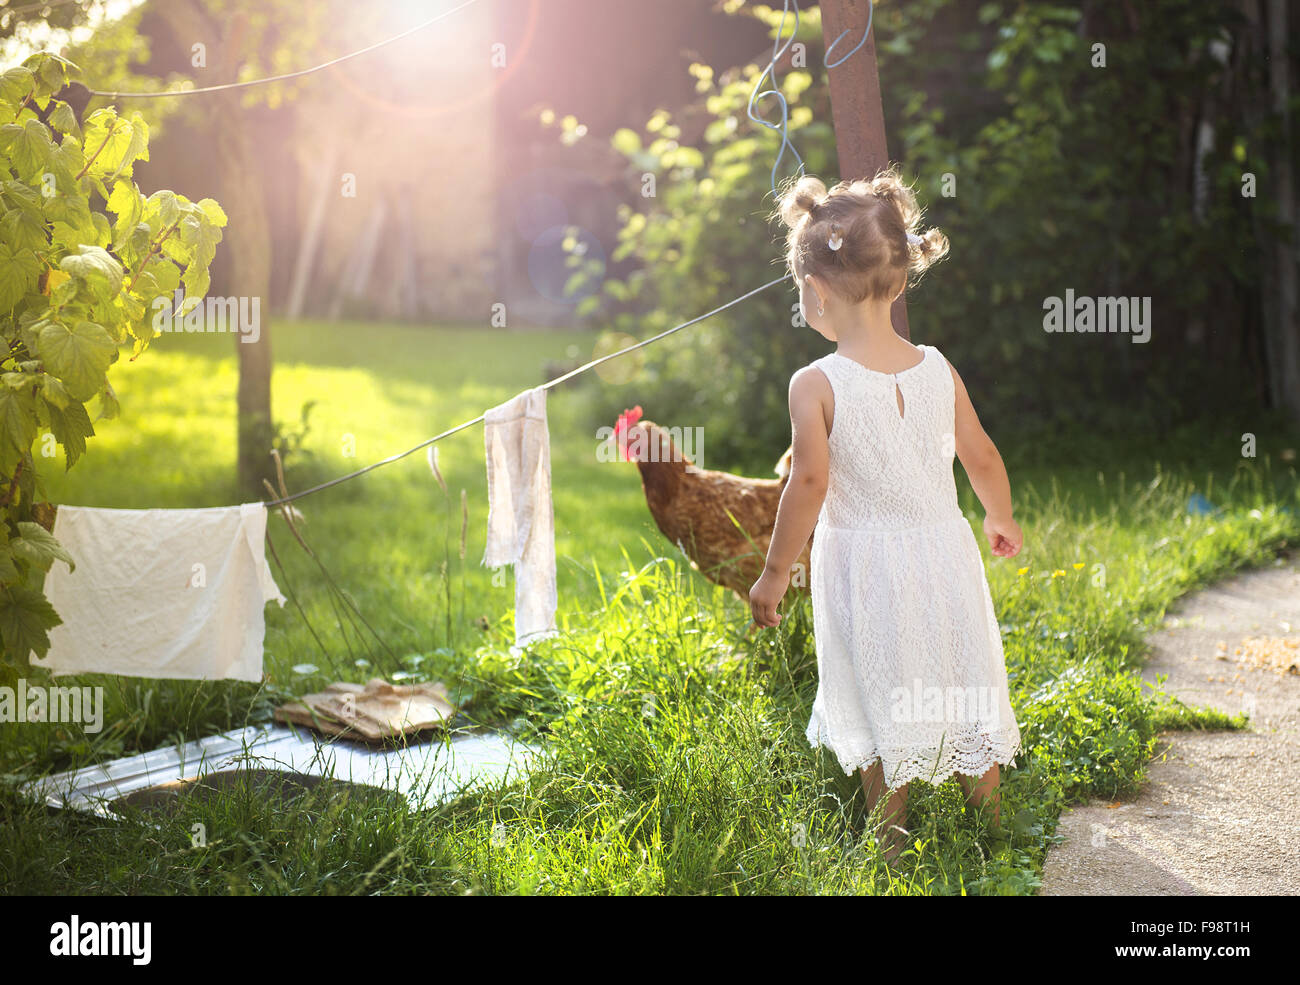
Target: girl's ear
901 289
814 284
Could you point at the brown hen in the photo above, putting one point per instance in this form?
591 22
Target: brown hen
694 507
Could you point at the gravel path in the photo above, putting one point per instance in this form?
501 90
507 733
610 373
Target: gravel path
1220 813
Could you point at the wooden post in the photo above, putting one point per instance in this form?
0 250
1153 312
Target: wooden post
856 110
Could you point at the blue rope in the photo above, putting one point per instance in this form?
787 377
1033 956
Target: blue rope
784 126
871 12
778 50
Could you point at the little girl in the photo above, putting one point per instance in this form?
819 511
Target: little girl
911 678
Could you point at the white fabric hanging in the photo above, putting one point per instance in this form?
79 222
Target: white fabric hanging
161 593
521 521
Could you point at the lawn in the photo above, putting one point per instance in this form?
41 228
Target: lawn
708 788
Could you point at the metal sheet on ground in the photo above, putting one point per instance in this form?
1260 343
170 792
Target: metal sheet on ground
426 774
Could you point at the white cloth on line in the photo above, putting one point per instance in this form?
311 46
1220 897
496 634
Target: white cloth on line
521 521
161 593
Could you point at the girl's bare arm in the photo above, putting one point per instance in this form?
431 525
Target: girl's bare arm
987 473
805 490
804 493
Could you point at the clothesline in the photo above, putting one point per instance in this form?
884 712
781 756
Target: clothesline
777 51
545 386
289 75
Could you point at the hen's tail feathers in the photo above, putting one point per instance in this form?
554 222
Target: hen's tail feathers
782 469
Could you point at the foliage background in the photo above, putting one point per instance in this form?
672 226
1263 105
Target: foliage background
1067 176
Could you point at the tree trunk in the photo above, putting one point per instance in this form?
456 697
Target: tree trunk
249 242
247 235
250 267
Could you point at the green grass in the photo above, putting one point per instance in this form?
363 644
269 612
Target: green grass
706 787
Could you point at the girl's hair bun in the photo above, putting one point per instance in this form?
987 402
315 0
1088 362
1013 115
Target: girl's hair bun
932 246
863 237
800 199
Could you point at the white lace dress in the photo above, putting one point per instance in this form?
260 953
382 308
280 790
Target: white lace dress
909 655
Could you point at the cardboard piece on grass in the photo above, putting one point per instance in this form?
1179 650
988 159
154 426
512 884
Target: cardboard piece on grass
378 710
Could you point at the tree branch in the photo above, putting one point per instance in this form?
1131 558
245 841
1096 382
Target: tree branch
99 150
154 247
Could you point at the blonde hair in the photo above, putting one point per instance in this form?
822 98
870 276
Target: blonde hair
873 219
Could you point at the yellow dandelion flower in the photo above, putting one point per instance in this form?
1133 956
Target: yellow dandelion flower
1022 571
1078 565
1058 573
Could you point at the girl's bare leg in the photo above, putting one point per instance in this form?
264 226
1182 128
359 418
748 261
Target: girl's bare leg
984 790
894 815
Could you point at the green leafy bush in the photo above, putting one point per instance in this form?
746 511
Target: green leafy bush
87 262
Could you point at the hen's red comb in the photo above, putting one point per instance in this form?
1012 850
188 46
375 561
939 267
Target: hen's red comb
627 419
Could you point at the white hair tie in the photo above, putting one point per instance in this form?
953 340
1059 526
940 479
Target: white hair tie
914 240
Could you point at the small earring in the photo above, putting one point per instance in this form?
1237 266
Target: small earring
821 310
